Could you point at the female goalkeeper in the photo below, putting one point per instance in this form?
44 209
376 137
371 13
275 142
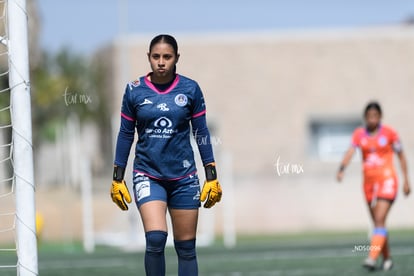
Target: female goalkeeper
378 143
161 106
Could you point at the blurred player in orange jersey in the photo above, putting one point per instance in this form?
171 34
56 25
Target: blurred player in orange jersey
378 143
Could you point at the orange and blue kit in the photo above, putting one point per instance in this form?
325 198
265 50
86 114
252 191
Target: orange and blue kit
380 177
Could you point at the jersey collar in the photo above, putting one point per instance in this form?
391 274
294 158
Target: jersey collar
376 134
150 85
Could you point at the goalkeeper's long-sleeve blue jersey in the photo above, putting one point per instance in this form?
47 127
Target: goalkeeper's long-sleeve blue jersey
163 120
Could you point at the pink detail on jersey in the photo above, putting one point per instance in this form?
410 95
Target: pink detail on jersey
199 114
127 117
166 179
150 85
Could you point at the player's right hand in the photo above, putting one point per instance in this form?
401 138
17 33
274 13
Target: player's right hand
120 194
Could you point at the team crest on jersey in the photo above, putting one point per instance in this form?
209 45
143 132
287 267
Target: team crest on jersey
181 100
382 141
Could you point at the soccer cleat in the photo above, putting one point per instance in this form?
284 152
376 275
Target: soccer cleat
387 264
369 264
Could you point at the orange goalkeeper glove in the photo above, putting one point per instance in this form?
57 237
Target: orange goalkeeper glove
211 192
119 189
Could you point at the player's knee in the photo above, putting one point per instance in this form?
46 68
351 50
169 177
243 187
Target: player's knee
185 249
155 241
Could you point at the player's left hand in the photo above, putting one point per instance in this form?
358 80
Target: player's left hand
212 192
406 188
120 194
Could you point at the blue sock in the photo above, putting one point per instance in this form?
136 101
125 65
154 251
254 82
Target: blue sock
187 258
154 253
382 231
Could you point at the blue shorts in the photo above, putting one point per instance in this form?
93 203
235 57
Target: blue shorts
178 194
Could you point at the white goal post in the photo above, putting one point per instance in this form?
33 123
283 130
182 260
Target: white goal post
22 138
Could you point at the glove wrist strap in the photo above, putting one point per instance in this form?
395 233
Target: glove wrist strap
211 173
119 173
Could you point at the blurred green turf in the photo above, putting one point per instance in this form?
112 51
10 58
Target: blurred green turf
290 254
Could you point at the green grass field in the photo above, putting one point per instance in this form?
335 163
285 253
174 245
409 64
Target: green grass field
313 254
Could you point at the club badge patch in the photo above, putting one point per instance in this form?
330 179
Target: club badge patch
135 83
382 141
181 100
